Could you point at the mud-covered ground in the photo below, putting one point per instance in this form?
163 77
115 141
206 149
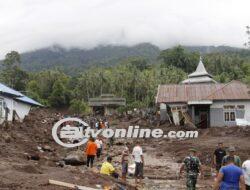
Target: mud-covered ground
29 156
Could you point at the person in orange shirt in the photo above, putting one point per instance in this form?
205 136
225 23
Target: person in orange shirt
102 126
90 151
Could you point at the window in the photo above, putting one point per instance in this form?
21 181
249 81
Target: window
240 107
226 115
229 107
229 116
232 116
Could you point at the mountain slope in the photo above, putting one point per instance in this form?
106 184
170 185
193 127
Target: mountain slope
75 60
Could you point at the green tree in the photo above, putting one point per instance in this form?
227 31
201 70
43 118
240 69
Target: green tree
58 96
180 58
79 107
12 74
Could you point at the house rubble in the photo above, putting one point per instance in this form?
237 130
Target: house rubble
206 102
14 105
106 104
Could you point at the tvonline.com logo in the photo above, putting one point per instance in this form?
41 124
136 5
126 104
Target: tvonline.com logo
73 132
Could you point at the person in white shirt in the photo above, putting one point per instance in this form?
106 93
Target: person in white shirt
139 162
106 123
246 172
99 144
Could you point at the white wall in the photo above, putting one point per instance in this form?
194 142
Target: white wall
10 104
21 109
220 104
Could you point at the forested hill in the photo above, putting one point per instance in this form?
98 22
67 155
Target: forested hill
135 74
75 60
212 49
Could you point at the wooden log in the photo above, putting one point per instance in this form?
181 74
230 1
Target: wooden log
69 185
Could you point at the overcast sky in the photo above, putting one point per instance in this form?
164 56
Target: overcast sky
31 24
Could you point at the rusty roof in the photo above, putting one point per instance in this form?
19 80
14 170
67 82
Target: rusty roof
175 93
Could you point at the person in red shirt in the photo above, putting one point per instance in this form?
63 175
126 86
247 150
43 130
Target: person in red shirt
90 151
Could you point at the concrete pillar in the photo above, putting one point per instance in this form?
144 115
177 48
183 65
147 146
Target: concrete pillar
163 111
193 114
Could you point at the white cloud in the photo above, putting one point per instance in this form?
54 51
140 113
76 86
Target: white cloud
30 24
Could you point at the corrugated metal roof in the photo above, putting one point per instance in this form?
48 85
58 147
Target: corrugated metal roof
28 100
234 90
17 95
104 100
202 79
7 90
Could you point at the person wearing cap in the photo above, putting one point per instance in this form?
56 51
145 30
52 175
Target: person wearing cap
108 169
246 172
231 153
230 177
193 167
219 153
125 155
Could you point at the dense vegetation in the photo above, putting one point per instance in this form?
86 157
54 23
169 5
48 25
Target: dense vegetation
73 61
134 77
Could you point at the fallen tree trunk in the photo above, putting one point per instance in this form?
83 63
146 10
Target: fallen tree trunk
161 177
69 185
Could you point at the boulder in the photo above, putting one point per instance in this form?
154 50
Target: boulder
75 158
47 148
7 138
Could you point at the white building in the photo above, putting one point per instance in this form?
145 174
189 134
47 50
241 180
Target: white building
204 101
14 105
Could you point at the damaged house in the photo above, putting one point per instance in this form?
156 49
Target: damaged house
106 104
203 102
14 105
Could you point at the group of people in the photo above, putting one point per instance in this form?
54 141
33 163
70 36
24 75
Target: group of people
137 155
231 175
101 124
94 149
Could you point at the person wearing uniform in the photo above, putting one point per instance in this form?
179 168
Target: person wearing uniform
192 165
219 153
231 153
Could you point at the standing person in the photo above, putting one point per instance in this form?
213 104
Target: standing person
246 172
106 123
125 155
90 151
99 144
231 153
219 153
97 125
193 167
230 177
102 126
139 162
108 169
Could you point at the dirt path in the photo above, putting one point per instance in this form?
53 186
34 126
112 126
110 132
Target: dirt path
165 171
